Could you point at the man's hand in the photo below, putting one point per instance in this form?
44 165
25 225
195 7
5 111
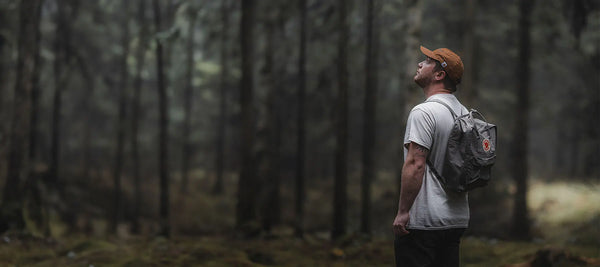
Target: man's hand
412 179
400 224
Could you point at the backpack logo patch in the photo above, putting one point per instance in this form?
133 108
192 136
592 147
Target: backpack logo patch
486 145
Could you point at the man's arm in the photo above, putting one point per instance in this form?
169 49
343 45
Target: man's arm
412 179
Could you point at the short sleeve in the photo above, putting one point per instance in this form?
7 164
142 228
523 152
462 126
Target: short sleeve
419 128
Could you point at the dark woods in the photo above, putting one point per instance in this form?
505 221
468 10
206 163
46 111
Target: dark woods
136 116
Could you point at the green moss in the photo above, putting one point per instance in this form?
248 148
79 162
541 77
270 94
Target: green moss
35 256
138 262
490 252
90 244
223 251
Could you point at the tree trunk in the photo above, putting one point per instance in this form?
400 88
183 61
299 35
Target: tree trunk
11 213
135 116
35 207
87 110
340 203
590 111
269 158
414 15
592 157
2 68
468 90
223 84
369 126
66 12
187 150
35 89
574 135
520 135
121 123
4 107
163 130
60 78
301 131
273 70
246 206
168 22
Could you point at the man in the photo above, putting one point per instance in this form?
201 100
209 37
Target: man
430 219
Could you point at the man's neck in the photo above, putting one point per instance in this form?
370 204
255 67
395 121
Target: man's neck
435 89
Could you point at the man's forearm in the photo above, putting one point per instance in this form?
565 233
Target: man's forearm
411 181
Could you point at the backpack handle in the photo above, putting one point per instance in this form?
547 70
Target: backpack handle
474 111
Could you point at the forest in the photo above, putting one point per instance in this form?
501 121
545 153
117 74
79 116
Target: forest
270 133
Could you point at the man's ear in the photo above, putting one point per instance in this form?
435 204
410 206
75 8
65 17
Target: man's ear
440 75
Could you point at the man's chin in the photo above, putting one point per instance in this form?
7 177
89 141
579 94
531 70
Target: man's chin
416 79
420 83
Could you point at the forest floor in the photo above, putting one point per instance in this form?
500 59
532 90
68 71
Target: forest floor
566 229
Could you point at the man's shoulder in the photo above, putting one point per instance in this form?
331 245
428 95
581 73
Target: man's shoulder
422 112
448 100
425 107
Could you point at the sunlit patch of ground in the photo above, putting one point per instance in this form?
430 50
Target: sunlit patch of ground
566 212
565 219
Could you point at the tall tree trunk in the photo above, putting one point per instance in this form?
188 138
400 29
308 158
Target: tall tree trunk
60 78
301 131
269 159
163 132
246 205
520 135
121 122
35 89
340 202
590 153
414 21
11 214
592 157
87 110
2 66
369 126
273 71
468 90
167 23
35 206
4 107
66 12
187 150
135 116
223 85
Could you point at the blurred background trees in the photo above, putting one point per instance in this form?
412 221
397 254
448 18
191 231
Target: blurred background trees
129 114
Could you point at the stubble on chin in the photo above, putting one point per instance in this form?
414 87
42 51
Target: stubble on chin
421 81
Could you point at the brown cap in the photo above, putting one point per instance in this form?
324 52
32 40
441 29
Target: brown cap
451 62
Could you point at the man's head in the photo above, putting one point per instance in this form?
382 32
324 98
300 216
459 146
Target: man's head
441 65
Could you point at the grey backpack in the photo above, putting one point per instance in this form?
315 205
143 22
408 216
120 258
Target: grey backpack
470 153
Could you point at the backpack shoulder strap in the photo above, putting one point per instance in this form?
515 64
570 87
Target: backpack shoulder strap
454 116
433 170
445 105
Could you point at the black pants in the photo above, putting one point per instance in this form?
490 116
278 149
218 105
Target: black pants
428 248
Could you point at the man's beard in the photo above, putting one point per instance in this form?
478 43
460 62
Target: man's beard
422 81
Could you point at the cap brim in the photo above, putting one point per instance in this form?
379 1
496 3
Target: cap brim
429 53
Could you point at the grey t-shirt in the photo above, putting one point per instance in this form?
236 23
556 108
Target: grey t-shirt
429 125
